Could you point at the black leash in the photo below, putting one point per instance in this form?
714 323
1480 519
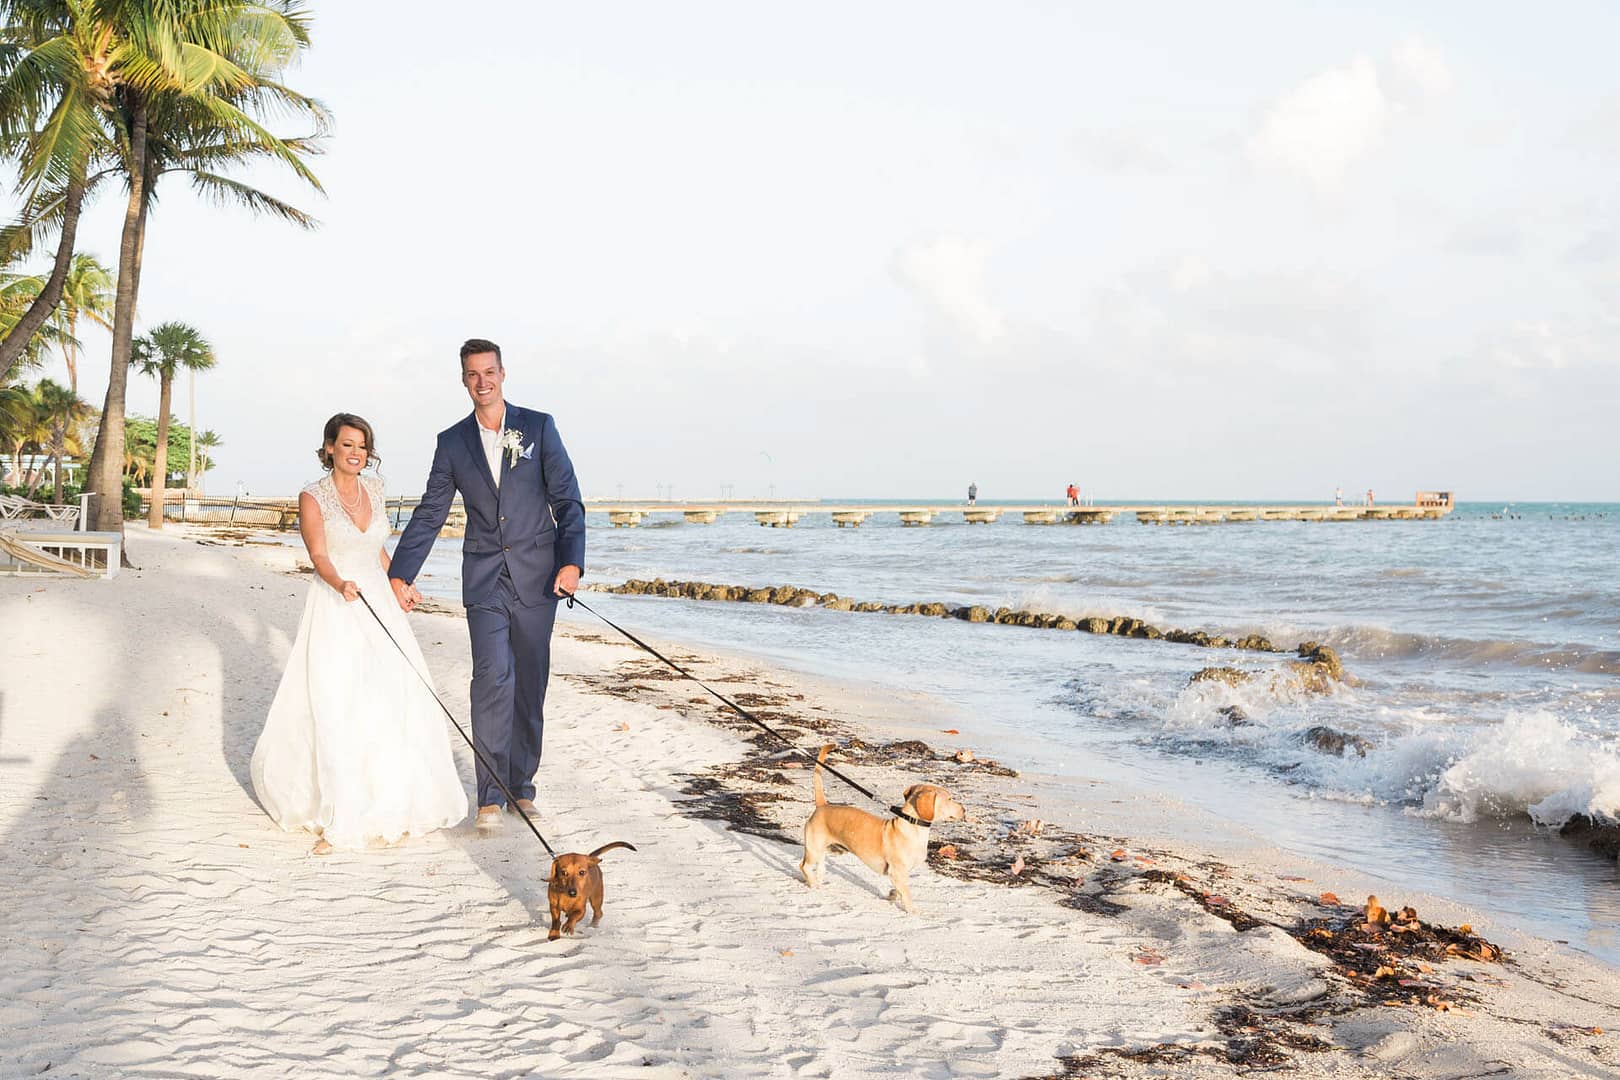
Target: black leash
511 800
738 709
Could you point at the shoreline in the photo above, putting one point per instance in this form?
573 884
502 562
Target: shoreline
713 956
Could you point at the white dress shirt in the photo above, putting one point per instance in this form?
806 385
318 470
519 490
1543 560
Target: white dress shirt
492 446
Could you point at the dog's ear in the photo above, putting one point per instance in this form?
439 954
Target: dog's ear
554 865
594 860
912 790
925 801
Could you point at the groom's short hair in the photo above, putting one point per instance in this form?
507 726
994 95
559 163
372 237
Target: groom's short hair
474 346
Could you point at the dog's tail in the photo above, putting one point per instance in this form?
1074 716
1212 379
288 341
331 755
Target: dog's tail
610 847
821 758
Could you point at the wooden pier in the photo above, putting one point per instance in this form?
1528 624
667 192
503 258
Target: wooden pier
1428 506
781 516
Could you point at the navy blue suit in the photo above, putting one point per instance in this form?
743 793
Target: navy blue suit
517 537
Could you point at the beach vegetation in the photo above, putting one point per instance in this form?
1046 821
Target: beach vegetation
87 294
94 89
161 354
17 294
41 425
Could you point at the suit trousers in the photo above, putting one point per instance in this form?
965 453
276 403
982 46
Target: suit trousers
511 649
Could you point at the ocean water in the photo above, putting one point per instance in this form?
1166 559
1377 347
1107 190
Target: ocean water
1486 648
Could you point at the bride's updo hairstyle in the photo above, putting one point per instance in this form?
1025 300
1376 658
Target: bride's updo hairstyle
337 424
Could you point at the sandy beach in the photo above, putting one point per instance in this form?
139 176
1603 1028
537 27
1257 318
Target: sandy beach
158 924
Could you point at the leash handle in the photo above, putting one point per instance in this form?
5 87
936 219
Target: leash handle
738 709
511 800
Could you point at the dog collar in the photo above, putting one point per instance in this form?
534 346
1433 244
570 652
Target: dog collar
900 813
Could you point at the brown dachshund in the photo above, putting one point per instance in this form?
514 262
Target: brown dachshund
575 881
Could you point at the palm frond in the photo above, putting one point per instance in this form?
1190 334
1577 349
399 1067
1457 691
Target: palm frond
224 191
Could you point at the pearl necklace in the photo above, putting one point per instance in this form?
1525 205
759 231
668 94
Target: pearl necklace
359 493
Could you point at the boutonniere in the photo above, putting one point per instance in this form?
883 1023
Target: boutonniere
512 443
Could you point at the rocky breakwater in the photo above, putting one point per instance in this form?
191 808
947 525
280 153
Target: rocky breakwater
794 596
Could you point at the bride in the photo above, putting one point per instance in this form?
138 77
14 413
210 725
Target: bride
355 748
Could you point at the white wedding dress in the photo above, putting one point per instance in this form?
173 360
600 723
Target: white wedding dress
355 749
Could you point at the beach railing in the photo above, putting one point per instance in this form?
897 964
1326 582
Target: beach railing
44 551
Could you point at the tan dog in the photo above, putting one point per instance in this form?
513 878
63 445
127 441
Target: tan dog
575 881
893 847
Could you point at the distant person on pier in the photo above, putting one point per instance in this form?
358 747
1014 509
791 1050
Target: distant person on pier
1074 495
1369 497
973 493
1338 496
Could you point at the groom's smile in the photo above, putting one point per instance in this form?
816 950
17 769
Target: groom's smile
483 374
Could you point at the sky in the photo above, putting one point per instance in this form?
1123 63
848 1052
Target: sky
1246 250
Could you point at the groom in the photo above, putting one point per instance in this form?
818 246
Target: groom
524 547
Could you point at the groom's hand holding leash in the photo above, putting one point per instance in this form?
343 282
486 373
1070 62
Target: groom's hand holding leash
567 581
406 595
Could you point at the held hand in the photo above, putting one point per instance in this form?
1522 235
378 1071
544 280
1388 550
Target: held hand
405 595
349 590
567 580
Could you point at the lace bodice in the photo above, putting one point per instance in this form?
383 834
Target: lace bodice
345 543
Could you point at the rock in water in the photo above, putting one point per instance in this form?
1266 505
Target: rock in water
1601 834
1331 741
1312 653
1231 676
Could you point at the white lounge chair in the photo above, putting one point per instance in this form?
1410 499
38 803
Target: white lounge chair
17 508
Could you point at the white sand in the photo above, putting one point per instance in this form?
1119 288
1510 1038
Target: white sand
153 922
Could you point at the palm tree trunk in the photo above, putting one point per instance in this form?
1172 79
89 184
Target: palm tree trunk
160 468
12 346
106 478
71 355
58 447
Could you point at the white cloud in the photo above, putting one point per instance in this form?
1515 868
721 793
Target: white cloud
1495 234
1321 128
1120 153
1529 346
947 275
1190 313
1417 72
1590 342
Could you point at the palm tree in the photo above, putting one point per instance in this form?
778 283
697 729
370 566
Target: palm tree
161 354
17 293
231 53
88 294
16 406
64 410
203 443
58 79
23 423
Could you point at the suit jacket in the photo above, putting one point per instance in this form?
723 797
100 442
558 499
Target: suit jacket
531 526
